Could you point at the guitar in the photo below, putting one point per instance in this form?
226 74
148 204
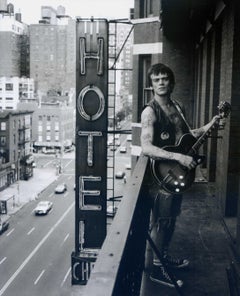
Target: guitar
170 174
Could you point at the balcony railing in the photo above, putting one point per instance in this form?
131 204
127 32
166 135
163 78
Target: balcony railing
119 266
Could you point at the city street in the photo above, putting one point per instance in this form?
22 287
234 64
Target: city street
35 252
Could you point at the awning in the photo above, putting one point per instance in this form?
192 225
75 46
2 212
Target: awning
47 144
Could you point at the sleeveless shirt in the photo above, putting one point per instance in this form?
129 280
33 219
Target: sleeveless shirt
167 132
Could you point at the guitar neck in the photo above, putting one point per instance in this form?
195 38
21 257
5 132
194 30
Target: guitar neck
202 138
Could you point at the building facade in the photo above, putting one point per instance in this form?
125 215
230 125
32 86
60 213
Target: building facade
15 147
14 43
200 41
52 52
53 127
13 90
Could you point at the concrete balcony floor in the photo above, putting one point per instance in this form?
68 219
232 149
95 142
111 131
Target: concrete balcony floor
201 238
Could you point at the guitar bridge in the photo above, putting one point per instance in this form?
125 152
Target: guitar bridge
169 177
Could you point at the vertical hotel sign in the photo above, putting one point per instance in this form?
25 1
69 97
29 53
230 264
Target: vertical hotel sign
91 147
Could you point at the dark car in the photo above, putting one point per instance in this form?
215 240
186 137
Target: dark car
3 226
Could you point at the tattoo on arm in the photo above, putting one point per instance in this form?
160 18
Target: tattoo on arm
147 122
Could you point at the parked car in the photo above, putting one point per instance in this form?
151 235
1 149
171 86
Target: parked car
117 143
61 188
111 211
119 175
49 151
43 207
129 138
123 149
128 166
119 126
113 148
3 226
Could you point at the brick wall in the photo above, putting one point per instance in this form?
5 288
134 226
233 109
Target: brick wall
177 55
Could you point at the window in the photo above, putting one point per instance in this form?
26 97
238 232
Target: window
48 125
56 125
144 65
9 99
3 126
9 86
146 8
2 141
48 137
57 136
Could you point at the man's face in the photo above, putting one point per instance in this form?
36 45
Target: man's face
161 84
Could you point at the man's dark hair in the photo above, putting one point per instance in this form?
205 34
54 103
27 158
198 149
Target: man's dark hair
163 69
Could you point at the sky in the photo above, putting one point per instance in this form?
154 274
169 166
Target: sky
109 9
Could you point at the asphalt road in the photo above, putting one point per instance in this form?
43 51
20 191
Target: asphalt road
35 252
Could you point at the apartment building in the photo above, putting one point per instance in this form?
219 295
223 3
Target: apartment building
125 41
52 52
53 126
13 90
14 43
15 146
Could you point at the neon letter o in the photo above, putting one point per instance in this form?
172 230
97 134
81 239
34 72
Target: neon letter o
80 102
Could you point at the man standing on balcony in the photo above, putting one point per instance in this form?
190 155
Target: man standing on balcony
163 124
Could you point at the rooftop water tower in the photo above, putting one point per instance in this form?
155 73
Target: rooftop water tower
3 5
10 8
60 10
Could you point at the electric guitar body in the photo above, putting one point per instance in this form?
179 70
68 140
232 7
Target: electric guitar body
170 174
173 177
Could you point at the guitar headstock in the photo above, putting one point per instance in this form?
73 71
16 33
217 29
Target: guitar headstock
224 109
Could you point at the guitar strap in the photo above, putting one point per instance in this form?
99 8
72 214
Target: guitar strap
181 113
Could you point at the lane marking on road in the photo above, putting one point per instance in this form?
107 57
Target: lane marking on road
20 268
65 194
38 278
69 177
67 164
10 232
3 260
51 194
46 164
30 231
66 276
66 237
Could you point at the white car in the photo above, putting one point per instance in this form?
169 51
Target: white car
129 138
120 175
117 143
43 207
128 166
111 211
123 149
61 188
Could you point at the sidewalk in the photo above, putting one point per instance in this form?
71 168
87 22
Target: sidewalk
20 194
